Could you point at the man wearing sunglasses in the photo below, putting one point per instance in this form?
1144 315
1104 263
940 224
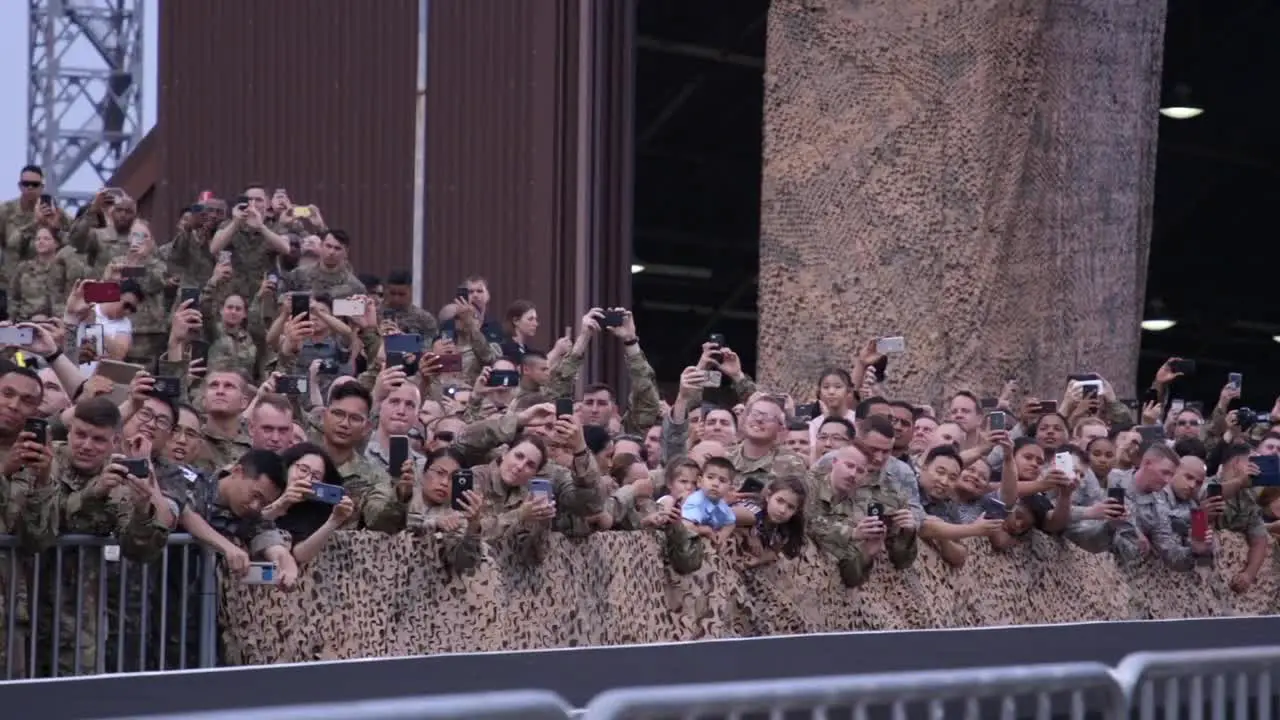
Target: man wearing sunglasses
19 215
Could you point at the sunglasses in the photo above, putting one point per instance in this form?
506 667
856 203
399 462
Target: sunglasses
30 183
129 307
443 436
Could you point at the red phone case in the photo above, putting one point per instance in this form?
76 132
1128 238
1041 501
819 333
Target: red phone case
1199 525
100 292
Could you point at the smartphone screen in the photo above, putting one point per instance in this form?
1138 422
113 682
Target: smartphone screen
996 421
460 482
564 406
399 452
299 304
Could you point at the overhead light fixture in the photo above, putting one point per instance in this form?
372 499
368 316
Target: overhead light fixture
636 268
1276 338
1158 325
1181 106
1158 318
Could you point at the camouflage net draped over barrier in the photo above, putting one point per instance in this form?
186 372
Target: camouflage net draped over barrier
976 175
375 595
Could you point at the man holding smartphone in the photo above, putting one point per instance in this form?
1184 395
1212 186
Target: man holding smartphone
103 232
19 213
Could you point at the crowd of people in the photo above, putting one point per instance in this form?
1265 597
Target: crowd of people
242 383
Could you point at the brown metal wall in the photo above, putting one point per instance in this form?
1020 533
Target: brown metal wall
315 97
500 152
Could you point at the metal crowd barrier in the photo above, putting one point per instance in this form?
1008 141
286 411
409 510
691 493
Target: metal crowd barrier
1074 691
513 705
80 608
1213 684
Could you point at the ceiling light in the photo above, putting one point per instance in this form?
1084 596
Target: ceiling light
1276 338
1180 106
636 268
1158 325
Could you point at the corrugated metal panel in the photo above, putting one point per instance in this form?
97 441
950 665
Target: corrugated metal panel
501 154
314 97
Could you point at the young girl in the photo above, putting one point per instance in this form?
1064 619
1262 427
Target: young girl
779 526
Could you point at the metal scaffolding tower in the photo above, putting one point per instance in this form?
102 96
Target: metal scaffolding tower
84 100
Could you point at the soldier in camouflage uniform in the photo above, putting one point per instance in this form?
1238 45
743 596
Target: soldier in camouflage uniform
233 332
1148 527
225 395
189 258
253 244
380 502
151 321
41 284
1240 509
432 511
29 498
98 245
331 276
398 307
18 218
837 516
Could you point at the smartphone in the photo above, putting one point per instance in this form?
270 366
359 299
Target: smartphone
167 385
1150 433
1175 406
132 272
541 486
329 367
291 385
39 428
197 350
612 318
713 379
503 378
347 307
463 293
1186 367
1213 490
891 345
752 485
451 363
993 507
876 510
46 199
137 467
808 411
101 292
1090 388
224 257
717 340
1235 380
404 342
1116 495
326 493
1269 467
192 294
988 403
1047 406
273 278
262 573
299 304
1150 395
21 336
564 406
1066 462
997 421
1199 525
399 452
460 482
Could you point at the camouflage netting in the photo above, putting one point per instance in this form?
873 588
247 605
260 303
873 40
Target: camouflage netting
375 595
976 175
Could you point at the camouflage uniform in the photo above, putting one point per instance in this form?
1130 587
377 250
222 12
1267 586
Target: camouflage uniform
1149 514
221 451
316 279
255 534
39 288
235 349
151 322
1241 513
16 223
830 521
98 246
373 492
682 546
189 258
644 407
414 319
251 260
460 549
29 513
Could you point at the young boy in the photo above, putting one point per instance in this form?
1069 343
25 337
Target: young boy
705 511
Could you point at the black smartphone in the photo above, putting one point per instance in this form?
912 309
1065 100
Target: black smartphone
1084 377
242 202
1150 395
39 428
167 385
137 467
46 199
1213 490
988 403
752 485
564 406
1089 391
299 304
1186 367
876 510
1047 406
996 421
612 318
994 508
404 343
503 378
1116 494
1269 465
460 482
192 294
463 293
808 411
717 340
197 350
399 452
329 367
291 385
1150 433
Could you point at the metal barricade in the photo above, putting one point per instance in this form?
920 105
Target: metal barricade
80 608
1202 684
1074 691
512 705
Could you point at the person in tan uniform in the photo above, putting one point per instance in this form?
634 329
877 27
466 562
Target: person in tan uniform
17 216
101 234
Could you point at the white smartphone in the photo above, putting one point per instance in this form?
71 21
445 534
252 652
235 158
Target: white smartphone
346 307
1066 462
91 333
891 345
224 257
262 573
19 336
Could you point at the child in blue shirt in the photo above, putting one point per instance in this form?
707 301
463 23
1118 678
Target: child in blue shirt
705 511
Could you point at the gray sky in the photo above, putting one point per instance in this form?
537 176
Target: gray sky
14 79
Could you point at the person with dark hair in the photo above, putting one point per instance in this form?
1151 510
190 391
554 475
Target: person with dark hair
1147 527
779 527
115 319
398 307
310 519
380 502
456 518
332 275
254 244
226 515
875 438
21 214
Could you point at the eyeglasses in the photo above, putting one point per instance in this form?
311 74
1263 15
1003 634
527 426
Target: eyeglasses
344 416
145 416
1189 423
31 184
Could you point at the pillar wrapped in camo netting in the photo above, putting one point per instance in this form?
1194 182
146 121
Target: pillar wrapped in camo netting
976 175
